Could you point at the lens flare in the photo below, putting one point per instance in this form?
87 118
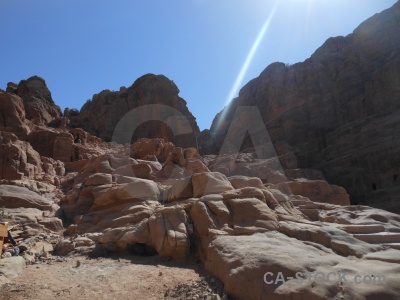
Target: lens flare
250 56
246 64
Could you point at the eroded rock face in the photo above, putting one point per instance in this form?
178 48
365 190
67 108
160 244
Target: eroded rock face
18 158
15 196
243 269
52 143
241 227
244 214
148 148
101 115
210 183
171 201
318 190
337 110
39 105
31 207
12 115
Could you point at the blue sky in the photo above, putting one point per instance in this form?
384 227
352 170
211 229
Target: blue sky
83 47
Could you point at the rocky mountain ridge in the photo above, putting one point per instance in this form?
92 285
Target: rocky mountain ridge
157 95
338 111
94 198
248 216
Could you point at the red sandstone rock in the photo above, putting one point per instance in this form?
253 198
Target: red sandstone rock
157 147
13 115
337 111
52 143
39 105
14 197
210 183
18 159
100 115
317 190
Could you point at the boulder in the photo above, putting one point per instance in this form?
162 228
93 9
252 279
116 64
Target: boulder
175 189
169 233
251 212
142 170
64 247
239 182
195 165
10 268
137 234
246 192
210 183
317 190
151 147
83 242
14 197
138 189
25 215
278 267
53 224
212 216
98 179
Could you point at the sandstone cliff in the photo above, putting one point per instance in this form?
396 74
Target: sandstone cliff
39 105
101 115
338 110
154 198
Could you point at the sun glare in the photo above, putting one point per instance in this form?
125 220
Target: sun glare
239 78
249 58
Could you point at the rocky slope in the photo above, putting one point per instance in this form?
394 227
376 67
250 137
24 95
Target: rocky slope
36 151
258 220
38 103
147 106
239 227
338 111
241 214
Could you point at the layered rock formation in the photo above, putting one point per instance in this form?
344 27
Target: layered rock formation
246 232
150 108
32 125
32 157
338 110
39 105
243 214
12 115
267 227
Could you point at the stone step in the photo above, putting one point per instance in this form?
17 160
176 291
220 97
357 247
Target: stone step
303 204
300 202
312 213
362 229
308 205
393 245
379 238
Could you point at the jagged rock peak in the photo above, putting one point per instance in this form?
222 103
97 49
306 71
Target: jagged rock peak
101 115
158 80
38 102
34 86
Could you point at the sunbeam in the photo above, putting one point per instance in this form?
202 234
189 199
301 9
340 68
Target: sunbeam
250 56
246 64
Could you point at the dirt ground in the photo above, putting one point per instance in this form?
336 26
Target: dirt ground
129 277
